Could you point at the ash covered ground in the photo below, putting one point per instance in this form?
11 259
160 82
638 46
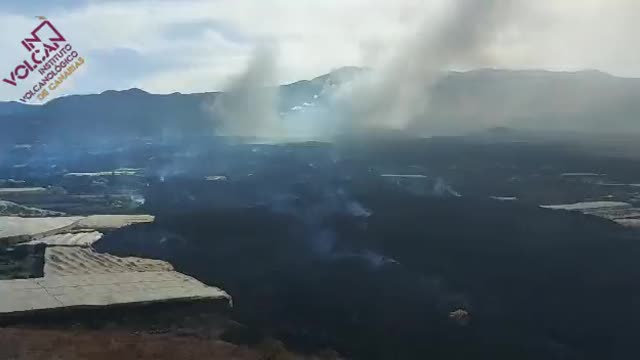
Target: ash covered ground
379 247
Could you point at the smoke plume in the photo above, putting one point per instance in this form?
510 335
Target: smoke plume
247 107
394 95
397 93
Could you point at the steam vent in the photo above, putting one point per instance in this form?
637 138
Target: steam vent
54 266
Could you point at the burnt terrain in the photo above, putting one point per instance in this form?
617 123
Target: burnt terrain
367 245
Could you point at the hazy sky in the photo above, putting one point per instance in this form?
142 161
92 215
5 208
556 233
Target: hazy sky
195 45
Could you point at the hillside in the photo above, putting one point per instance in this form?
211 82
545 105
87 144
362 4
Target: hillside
586 101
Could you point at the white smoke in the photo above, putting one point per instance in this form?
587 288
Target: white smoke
397 92
393 96
247 107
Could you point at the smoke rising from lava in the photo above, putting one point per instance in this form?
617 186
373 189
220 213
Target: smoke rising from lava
398 92
392 96
247 107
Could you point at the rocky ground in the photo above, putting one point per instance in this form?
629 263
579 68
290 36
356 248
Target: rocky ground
188 330
34 344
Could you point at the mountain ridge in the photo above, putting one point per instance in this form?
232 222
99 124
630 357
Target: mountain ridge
344 69
587 100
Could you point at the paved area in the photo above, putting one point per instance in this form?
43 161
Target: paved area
80 277
65 261
99 222
14 229
12 226
75 275
23 190
70 239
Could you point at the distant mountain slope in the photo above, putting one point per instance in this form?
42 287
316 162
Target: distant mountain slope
589 101
461 101
13 107
130 113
